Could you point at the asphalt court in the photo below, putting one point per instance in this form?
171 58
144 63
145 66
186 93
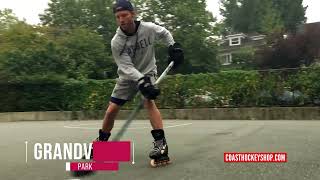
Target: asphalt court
196 148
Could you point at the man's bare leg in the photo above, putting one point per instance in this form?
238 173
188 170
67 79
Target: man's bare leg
159 153
109 117
154 114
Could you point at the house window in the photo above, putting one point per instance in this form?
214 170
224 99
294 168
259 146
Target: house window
235 41
226 59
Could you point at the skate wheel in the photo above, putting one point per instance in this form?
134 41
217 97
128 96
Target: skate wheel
152 163
155 164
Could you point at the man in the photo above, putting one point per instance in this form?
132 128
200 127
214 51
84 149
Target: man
133 51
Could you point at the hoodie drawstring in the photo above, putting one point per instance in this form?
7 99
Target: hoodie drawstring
135 46
124 46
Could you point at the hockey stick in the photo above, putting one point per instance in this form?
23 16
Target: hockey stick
140 106
128 121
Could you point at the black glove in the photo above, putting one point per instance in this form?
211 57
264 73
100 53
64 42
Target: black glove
175 54
148 90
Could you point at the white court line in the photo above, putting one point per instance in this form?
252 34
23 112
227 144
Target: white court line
26 142
172 126
134 123
133 152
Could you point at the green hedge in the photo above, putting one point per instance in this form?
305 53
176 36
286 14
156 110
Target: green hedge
224 89
55 95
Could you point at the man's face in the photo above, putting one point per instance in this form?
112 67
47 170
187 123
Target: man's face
125 19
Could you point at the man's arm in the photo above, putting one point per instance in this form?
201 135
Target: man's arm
162 34
174 49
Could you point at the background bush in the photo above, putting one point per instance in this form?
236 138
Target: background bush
225 89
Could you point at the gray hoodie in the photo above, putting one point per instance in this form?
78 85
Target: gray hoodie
135 55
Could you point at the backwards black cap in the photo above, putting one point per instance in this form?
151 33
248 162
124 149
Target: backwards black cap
122 5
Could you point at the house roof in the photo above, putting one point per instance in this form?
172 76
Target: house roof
235 35
252 41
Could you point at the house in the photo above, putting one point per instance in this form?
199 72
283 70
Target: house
313 30
234 43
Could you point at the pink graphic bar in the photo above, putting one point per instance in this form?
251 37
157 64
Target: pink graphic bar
93 166
116 151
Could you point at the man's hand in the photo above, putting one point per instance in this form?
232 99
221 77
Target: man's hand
176 54
148 90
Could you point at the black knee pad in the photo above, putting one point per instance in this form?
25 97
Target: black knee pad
117 101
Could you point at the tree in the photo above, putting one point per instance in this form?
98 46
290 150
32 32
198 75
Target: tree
292 13
74 16
300 49
257 16
28 51
285 53
271 21
84 56
96 15
311 47
262 16
189 23
230 10
65 13
25 51
7 18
